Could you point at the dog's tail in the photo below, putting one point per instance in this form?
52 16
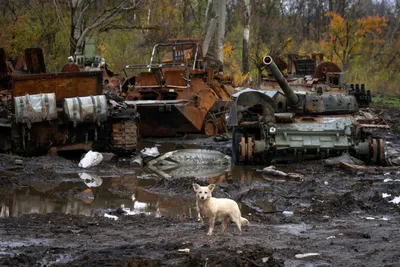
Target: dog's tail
244 221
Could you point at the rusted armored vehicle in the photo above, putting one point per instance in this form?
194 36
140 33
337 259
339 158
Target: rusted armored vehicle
66 111
178 92
287 125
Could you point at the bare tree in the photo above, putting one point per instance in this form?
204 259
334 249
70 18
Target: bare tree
87 15
221 12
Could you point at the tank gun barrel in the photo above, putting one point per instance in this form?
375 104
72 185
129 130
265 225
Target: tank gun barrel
291 96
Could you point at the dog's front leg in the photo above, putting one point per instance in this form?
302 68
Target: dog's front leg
199 215
212 222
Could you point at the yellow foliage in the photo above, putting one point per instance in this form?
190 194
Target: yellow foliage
227 50
232 67
288 45
348 39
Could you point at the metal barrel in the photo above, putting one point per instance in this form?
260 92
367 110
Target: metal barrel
291 96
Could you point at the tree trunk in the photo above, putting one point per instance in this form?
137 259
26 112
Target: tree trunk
221 28
246 36
341 7
206 14
208 36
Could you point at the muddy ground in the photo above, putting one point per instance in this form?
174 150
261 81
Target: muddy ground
341 216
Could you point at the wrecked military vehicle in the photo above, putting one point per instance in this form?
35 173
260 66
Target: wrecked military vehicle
66 111
178 92
272 126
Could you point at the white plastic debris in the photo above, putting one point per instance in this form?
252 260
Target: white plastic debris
110 216
331 237
395 200
300 256
186 250
288 213
90 179
91 159
384 195
265 259
370 218
150 152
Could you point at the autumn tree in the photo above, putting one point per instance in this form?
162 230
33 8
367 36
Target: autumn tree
348 39
34 24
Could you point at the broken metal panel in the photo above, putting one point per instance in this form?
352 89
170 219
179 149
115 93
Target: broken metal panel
191 162
176 77
64 85
165 119
3 63
34 60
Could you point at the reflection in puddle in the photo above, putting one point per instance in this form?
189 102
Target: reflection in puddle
91 179
93 194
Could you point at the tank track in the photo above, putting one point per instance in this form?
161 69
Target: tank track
124 136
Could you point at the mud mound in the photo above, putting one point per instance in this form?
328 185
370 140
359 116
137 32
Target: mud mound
8 181
19 260
336 205
165 255
101 260
252 255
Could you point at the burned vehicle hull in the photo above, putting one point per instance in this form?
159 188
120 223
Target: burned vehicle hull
64 111
270 128
178 92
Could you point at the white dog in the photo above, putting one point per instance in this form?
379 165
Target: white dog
212 207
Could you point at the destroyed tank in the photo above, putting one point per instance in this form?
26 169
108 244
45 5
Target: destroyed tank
286 125
179 92
60 111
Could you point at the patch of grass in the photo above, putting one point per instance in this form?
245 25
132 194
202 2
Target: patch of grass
387 101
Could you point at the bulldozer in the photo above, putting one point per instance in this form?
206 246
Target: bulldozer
180 91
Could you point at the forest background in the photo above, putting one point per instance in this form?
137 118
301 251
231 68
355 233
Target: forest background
361 36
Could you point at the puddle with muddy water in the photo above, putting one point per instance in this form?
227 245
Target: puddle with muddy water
92 194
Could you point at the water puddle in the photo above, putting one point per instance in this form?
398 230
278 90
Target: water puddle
93 194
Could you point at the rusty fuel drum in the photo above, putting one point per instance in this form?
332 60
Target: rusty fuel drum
62 111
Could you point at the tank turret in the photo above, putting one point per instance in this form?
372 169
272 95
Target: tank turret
315 102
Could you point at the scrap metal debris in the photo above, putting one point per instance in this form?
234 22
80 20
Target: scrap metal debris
190 162
344 158
273 171
150 152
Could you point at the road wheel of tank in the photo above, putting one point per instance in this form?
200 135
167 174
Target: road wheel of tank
237 137
210 127
124 136
378 151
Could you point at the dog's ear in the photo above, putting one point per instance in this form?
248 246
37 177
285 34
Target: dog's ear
196 187
211 187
